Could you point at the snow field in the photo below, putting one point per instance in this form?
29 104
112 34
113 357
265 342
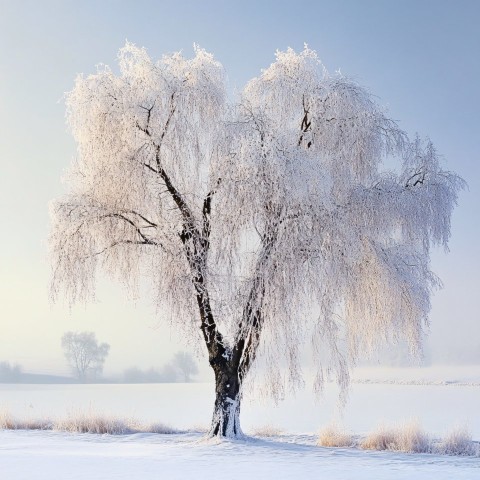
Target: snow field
279 450
43 455
437 407
407 437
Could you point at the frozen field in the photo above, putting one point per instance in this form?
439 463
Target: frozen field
293 454
50 455
437 407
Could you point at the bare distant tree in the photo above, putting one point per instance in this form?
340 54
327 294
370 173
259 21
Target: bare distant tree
250 217
185 363
84 355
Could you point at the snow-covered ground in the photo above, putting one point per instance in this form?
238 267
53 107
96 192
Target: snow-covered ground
51 455
438 400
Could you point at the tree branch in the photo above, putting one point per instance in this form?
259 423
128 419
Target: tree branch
206 211
122 242
420 179
149 114
145 239
305 125
146 220
195 248
181 204
250 326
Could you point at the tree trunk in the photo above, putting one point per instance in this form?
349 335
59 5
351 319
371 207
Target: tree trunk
226 413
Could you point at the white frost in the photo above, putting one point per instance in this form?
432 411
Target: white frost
303 218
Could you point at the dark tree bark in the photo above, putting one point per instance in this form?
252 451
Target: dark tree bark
226 413
230 365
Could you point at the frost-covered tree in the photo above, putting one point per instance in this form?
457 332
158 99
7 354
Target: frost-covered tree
262 224
84 354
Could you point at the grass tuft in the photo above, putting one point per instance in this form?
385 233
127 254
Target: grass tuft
407 438
159 428
8 422
333 436
84 421
267 431
458 442
91 422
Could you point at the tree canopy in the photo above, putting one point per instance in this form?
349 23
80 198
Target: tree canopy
268 222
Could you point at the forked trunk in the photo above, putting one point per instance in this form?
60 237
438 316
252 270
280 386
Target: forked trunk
226 413
229 366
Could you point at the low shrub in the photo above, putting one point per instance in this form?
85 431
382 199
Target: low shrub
407 438
8 422
91 422
333 436
267 431
458 442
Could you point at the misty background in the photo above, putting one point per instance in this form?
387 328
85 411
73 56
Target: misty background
419 57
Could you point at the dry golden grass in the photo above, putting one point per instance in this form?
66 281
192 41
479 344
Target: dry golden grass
157 427
89 421
333 436
458 442
407 438
266 431
8 422
84 421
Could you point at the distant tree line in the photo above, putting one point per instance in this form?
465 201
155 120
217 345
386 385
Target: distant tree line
86 357
180 369
10 373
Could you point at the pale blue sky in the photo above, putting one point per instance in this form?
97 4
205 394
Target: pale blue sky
421 58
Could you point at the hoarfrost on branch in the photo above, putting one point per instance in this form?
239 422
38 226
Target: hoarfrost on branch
249 216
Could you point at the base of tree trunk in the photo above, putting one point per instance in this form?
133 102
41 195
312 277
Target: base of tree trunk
226 414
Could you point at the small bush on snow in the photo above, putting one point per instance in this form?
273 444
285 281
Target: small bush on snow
333 436
33 424
94 422
91 422
458 442
87 421
8 422
408 438
379 439
159 428
267 431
